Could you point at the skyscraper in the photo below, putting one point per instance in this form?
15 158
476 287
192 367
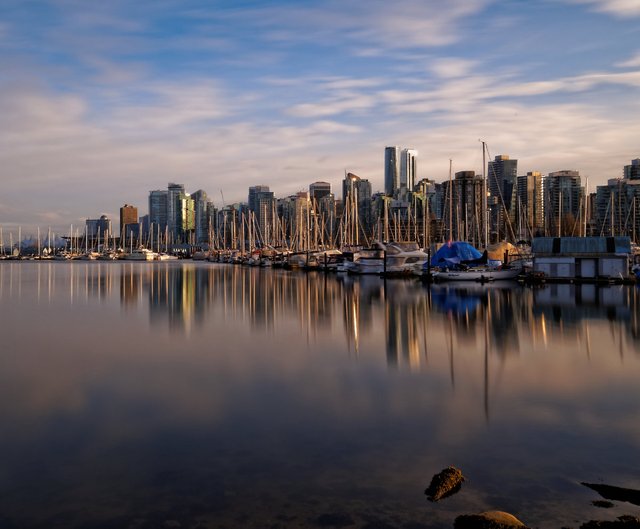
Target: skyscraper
158 211
563 202
408 169
262 205
324 209
356 196
632 171
528 214
468 208
502 174
391 170
185 218
201 216
174 191
617 205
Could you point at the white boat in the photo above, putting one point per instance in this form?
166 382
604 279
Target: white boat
401 259
478 274
405 258
140 254
89 256
166 257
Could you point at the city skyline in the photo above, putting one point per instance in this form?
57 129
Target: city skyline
102 103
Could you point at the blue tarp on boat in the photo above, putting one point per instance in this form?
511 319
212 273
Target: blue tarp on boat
453 253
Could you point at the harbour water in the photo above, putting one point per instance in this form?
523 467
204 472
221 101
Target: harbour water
203 395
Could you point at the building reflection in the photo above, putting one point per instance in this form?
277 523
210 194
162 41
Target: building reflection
409 321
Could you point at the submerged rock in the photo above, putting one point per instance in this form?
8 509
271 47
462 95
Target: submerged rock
623 522
610 492
488 520
603 504
445 484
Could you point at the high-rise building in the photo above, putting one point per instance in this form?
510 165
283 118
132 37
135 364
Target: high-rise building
324 210
128 217
317 190
262 205
98 228
408 169
391 170
466 212
185 219
502 174
174 192
201 216
632 171
356 197
617 205
528 213
563 203
158 211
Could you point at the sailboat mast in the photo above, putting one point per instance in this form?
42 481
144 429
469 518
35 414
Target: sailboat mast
450 202
485 223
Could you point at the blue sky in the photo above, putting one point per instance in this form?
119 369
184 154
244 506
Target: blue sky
101 102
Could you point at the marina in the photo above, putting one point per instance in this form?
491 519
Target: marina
179 392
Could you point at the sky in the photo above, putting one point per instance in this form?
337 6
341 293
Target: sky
101 102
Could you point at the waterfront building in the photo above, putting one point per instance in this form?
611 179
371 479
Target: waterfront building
617 205
408 171
356 196
632 171
528 214
584 258
428 202
391 170
324 210
158 210
185 218
262 206
502 187
128 218
98 227
201 219
295 214
400 171
563 203
463 218
174 194
143 222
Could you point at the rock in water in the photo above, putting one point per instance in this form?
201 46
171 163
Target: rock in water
488 520
445 484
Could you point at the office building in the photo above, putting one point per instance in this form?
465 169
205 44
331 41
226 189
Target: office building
202 221
563 203
158 211
408 170
174 214
356 197
262 205
128 218
391 170
528 214
502 187
98 228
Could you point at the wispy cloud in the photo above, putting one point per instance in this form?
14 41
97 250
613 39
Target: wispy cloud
633 62
448 67
619 8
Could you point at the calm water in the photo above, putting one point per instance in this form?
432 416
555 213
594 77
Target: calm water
204 395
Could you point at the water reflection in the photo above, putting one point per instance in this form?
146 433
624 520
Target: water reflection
184 296
211 395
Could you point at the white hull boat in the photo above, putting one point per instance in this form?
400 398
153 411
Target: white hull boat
480 275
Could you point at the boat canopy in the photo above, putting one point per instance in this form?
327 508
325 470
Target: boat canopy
454 253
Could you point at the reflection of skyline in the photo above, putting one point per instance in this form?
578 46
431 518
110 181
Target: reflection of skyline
405 318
